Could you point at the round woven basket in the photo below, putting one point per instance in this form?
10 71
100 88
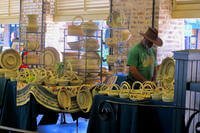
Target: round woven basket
10 59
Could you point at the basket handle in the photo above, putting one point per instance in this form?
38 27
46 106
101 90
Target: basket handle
76 18
103 87
84 87
152 84
115 86
137 82
125 85
147 88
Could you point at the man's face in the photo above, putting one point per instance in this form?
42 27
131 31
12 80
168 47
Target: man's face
148 43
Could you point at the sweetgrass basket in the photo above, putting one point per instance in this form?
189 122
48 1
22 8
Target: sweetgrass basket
76 45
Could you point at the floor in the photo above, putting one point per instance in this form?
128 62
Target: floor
69 127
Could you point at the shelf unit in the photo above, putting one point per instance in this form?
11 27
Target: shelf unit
81 59
32 32
118 51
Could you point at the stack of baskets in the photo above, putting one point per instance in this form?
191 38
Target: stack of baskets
32 23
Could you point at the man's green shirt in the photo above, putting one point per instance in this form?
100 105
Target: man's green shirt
144 60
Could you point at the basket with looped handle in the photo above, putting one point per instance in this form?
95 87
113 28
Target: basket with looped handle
147 91
124 90
75 29
95 89
75 80
103 89
137 86
151 83
136 93
114 90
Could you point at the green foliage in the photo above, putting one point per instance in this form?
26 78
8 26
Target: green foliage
60 69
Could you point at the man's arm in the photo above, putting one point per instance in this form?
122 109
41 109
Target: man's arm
136 74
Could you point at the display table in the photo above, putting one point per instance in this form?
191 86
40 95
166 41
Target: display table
24 116
126 118
155 117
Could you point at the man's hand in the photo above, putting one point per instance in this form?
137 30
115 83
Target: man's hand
136 74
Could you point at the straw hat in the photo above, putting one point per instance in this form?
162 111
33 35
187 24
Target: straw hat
152 35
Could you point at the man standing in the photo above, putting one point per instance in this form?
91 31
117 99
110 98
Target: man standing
142 58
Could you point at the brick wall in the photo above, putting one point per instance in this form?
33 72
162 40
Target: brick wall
140 11
170 30
55 34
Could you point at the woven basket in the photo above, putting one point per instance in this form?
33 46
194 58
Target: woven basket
32 45
11 75
32 23
124 90
32 28
32 58
32 19
91 44
75 29
76 45
111 42
111 59
117 19
168 96
84 98
10 59
157 94
89 28
64 99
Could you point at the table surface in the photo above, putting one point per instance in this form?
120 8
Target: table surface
140 117
127 118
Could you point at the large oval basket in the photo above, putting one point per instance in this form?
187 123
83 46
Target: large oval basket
64 99
84 99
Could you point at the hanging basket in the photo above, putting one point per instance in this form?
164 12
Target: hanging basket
32 23
75 29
